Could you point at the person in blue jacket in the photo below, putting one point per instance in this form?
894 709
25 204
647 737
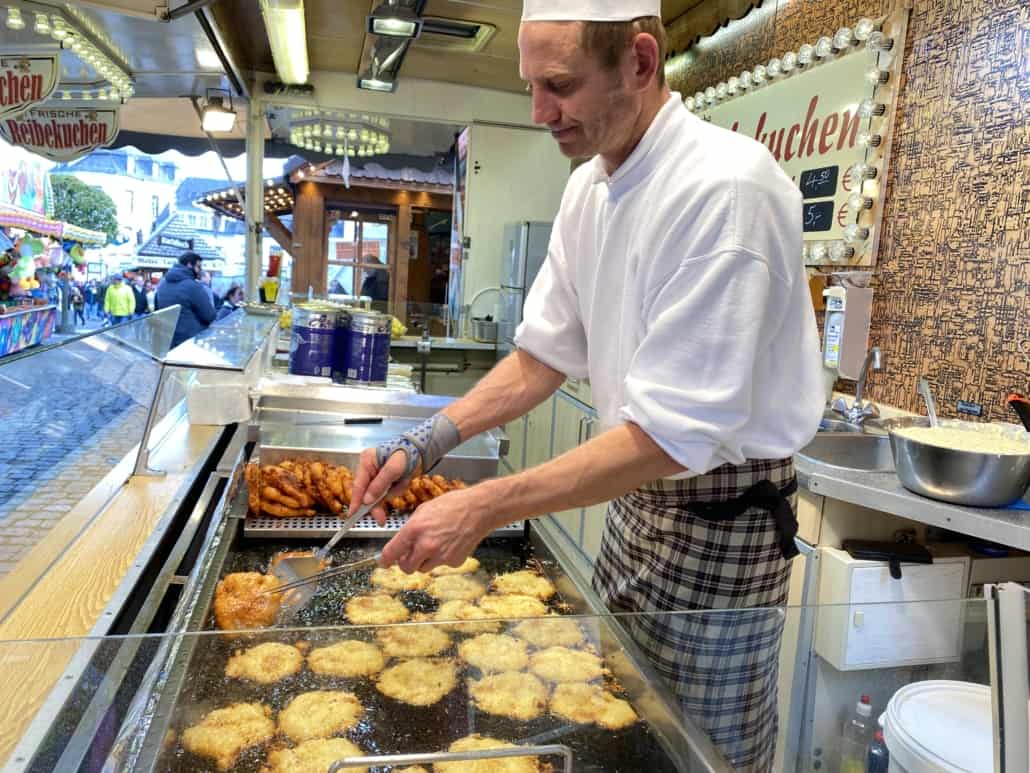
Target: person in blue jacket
181 286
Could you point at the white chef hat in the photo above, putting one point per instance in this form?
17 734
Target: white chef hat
589 10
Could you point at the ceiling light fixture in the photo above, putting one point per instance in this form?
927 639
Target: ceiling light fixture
287 35
216 115
394 20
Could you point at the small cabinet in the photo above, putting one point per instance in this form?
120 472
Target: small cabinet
517 432
569 420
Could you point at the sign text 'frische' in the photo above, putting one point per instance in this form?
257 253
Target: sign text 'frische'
62 133
26 81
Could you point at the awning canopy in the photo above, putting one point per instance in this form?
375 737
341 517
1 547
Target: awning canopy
14 217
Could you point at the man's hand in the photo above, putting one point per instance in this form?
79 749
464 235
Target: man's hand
370 481
442 531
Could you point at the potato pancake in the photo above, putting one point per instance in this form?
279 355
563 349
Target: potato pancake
376 609
456 586
459 610
503 765
468 566
513 694
550 631
319 714
240 601
561 664
266 663
492 652
413 641
419 682
590 704
314 756
524 583
512 605
394 578
223 733
347 659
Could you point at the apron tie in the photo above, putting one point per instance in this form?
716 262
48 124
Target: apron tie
763 495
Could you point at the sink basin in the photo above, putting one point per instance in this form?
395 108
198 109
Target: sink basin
853 451
837 425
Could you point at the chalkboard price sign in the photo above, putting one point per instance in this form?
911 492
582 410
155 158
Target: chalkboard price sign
819 183
817 216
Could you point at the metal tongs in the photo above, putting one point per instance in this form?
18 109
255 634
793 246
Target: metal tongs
298 571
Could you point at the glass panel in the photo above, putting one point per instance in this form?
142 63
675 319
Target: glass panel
228 344
128 702
72 413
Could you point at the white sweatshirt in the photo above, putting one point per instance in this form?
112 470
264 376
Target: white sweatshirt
676 286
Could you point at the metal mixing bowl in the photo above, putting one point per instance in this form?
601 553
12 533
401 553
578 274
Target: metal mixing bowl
960 477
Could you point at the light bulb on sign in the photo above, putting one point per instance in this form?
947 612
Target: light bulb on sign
759 74
879 42
710 95
824 48
867 108
789 61
855 233
720 91
868 139
840 252
699 100
745 80
864 29
876 77
805 55
689 103
858 202
860 172
14 20
774 68
42 25
843 39
733 85
58 31
818 252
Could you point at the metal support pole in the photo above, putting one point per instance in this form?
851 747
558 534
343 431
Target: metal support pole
255 199
799 716
1010 682
143 455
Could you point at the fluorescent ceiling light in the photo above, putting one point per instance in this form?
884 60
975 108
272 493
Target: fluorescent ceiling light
216 117
284 24
375 84
396 21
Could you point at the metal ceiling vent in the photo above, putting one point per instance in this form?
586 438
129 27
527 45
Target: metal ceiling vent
454 34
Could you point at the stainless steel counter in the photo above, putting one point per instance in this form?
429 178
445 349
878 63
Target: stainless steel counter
409 342
883 491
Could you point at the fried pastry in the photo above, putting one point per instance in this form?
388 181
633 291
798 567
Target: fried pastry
513 694
314 756
240 601
550 631
512 605
413 641
420 681
266 663
455 586
224 733
524 583
347 659
590 704
376 609
490 652
394 578
319 714
503 765
561 664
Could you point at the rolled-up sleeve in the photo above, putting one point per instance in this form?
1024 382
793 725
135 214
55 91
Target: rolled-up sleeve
690 381
552 328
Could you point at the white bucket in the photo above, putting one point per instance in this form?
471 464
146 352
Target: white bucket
940 726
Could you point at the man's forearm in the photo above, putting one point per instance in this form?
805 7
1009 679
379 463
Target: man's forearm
612 464
515 386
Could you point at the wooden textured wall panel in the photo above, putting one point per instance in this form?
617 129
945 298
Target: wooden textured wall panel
951 298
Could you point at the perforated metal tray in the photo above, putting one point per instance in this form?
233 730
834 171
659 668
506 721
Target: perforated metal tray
326 525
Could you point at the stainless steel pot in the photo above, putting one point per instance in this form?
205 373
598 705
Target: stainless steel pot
960 477
484 330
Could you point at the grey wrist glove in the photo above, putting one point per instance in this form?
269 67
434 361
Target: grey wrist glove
427 443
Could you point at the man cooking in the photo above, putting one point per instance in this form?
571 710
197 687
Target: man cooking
674 283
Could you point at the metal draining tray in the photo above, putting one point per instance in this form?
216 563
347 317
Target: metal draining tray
324 526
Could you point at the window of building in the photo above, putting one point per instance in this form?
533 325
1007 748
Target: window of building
359 258
155 205
131 199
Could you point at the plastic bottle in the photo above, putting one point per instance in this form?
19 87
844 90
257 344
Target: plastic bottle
856 737
878 758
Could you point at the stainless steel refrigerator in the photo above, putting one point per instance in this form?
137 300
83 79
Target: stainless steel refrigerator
525 249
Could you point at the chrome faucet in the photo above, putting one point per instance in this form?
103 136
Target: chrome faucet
859 411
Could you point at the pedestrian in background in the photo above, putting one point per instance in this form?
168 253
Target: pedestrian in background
79 305
181 286
233 299
119 301
141 297
101 291
89 295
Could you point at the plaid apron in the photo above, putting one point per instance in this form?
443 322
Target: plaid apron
700 544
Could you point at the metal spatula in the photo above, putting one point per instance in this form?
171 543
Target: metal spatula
294 571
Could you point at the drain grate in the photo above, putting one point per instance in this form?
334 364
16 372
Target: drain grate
326 526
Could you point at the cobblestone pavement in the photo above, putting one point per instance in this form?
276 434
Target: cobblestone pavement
68 416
